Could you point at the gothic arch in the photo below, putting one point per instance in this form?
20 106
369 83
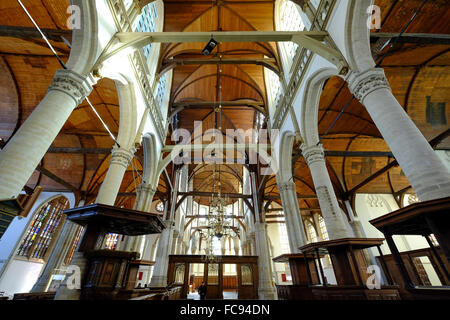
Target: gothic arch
310 105
357 36
285 160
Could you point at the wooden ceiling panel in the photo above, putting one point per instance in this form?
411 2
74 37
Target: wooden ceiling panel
9 104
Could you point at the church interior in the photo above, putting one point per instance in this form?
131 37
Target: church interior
264 149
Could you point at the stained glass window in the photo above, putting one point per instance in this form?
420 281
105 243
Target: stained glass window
161 89
147 23
46 223
112 239
323 229
311 231
290 21
75 241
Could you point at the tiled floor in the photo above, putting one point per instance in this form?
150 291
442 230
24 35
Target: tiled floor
230 295
227 295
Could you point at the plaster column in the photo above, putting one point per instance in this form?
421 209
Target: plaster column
159 277
427 173
143 202
236 243
266 289
294 224
335 221
120 159
19 158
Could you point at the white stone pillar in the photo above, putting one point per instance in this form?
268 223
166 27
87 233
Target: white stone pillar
427 174
120 159
143 202
159 277
291 209
335 221
27 147
236 243
266 290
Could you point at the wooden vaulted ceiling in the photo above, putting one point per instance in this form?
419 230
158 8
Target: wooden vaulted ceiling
198 89
79 156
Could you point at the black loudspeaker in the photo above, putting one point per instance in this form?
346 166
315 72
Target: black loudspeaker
210 47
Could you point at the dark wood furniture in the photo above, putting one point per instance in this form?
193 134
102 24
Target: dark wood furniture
304 273
246 267
111 274
424 219
34 296
350 269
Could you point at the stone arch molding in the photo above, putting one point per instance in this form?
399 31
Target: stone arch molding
150 159
285 157
85 42
310 105
128 113
357 36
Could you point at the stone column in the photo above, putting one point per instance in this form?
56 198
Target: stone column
266 290
427 174
143 202
335 221
27 147
159 277
236 245
120 159
291 209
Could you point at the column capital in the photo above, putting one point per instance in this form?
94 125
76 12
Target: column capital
286 186
313 153
362 84
121 156
71 83
147 188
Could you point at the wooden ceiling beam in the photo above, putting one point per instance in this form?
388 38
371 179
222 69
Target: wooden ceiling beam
29 33
57 179
420 38
79 150
433 143
180 106
269 63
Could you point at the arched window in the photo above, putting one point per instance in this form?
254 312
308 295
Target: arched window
289 20
161 89
147 23
111 241
160 206
323 229
311 231
40 236
273 86
284 241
